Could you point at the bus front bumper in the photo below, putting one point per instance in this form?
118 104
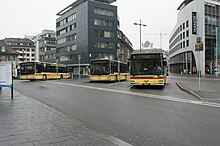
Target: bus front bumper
157 82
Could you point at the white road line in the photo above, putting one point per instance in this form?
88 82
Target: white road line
168 98
117 141
192 78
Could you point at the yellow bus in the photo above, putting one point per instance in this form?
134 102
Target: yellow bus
42 71
108 70
148 69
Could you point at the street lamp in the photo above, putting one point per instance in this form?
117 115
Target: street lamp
140 24
79 58
161 39
57 68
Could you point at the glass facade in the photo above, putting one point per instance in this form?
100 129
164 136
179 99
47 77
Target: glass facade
212 21
212 18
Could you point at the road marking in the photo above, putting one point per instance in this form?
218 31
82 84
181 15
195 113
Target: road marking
192 78
117 141
154 96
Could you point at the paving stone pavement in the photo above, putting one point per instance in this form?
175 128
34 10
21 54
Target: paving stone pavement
25 121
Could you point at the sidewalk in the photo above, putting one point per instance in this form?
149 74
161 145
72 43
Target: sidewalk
25 121
207 76
209 86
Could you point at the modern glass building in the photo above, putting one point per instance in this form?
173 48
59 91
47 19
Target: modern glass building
192 44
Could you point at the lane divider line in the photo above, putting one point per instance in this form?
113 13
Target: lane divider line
153 96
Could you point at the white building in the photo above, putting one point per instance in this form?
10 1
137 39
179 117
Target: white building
46 46
197 20
24 47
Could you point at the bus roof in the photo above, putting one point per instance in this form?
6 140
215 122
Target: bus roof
138 53
100 59
104 59
45 63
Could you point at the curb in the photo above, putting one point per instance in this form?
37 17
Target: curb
188 91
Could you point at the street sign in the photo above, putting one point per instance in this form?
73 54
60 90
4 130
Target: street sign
79 57
199 40
6 76
199 46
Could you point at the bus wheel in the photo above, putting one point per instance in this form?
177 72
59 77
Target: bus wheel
44 77
61 76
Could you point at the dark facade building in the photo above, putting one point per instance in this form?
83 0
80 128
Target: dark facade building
125 47
88 29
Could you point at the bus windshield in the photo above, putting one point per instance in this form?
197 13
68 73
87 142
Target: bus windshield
100 67
147 67
27 68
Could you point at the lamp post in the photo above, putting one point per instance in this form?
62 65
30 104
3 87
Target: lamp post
79 58
161 39
140 24
23 54
57 68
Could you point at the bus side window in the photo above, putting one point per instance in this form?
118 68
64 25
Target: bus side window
38 68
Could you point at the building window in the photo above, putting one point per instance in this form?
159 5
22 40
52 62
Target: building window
102 11
71 47
187 43
71 17
62 31
184 45
74 26
183 26
62 40
187 33
102 33
101 22
63 58
2 49
107 45
180 27
187 23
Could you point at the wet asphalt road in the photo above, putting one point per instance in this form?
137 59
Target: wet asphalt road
134 119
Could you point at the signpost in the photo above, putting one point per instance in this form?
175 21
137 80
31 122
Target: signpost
216 69
6 76
79 58
118 55
199 47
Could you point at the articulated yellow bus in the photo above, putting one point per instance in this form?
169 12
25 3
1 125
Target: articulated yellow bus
43 71
108 70
148 69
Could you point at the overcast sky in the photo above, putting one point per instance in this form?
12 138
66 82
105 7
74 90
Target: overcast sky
30 17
